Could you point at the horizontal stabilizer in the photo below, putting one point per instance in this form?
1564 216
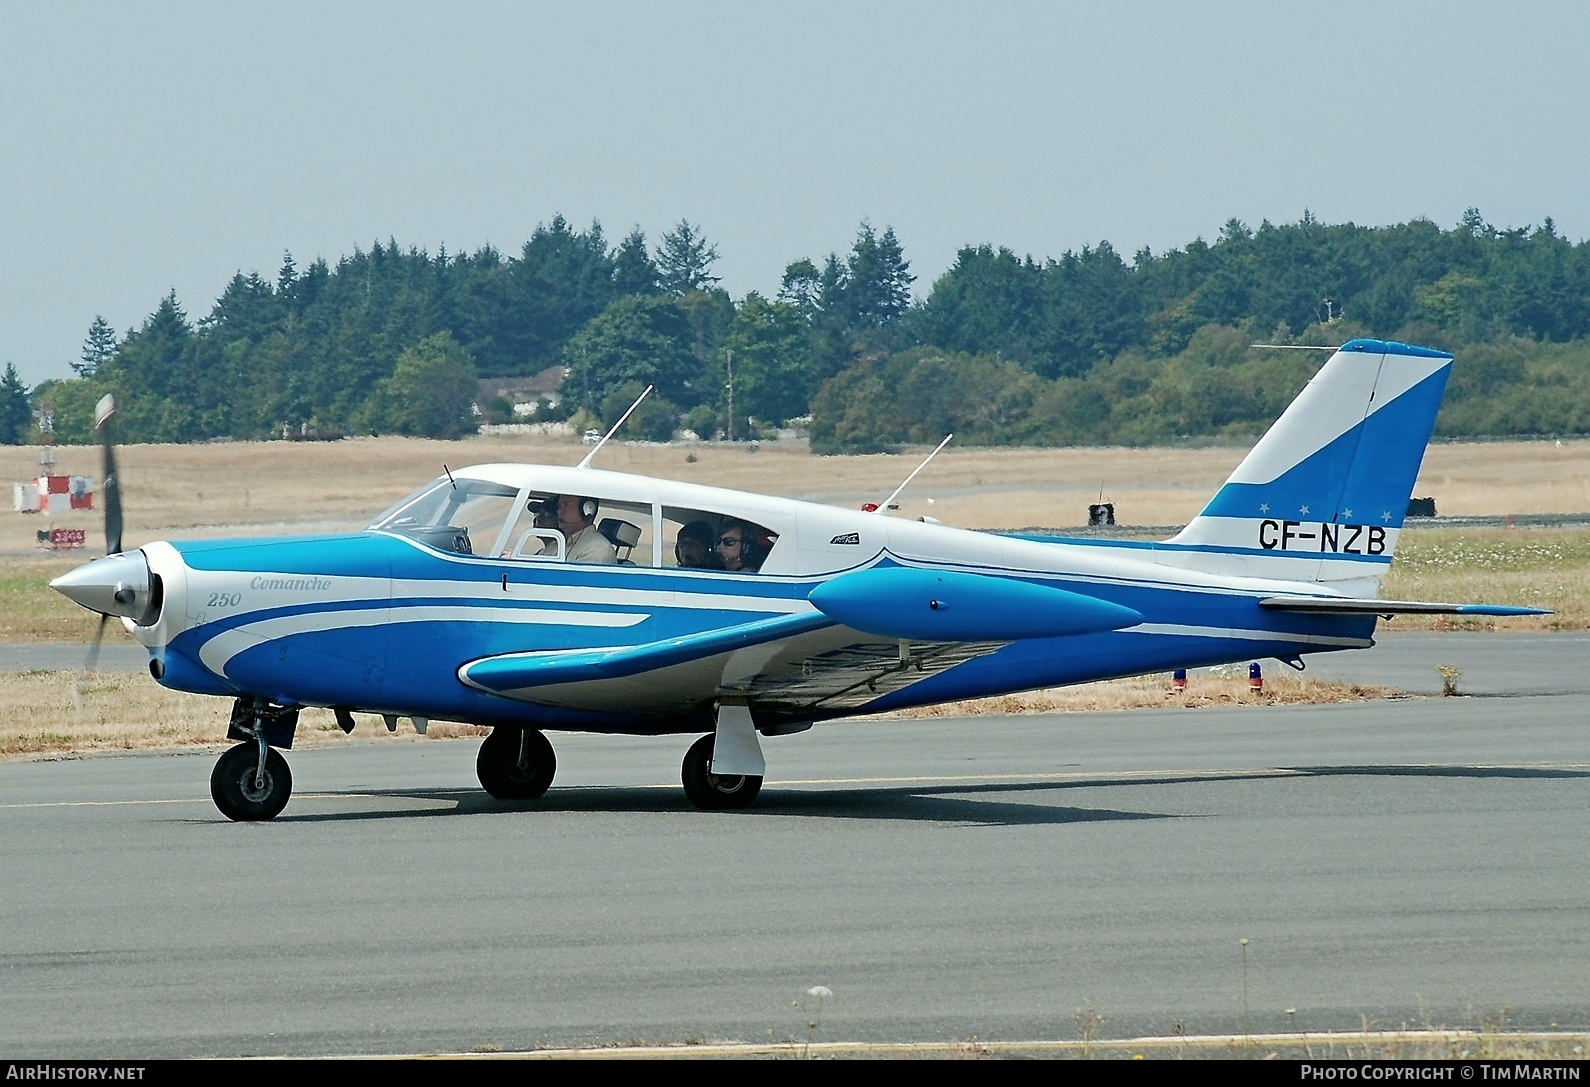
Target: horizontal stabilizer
1335 605
946 606
516 671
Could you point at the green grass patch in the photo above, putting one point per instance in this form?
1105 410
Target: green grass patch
1531 567
31 611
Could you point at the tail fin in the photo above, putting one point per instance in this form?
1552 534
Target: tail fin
1323 494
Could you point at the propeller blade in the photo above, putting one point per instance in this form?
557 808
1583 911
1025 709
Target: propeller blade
93 648
110 488
88 667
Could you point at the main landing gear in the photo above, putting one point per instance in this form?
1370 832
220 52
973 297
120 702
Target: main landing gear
252 781
724 770
515 764
715 792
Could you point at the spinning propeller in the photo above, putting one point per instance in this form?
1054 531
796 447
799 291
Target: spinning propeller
111 492
118 584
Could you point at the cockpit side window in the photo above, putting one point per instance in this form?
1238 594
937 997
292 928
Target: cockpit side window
625 526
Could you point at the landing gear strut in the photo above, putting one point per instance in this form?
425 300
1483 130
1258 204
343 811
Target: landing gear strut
252 781
515 764
724 770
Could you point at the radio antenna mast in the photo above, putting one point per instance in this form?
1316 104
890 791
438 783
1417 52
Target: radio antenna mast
883 508
586 463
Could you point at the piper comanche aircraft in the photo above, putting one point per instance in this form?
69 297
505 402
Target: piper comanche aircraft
464 603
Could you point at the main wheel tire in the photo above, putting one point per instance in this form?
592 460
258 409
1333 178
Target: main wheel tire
715 792
515 764
233 788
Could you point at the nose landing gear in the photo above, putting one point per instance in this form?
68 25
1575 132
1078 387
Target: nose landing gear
251 781
247 787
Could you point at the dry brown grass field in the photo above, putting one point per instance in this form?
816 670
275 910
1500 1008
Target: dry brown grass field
60 713
284 487
269 487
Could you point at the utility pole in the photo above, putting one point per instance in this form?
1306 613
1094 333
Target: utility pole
731 394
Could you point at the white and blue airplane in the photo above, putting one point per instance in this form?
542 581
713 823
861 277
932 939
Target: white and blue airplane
461 602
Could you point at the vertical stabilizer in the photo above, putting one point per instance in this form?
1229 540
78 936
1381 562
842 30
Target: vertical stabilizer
1323 495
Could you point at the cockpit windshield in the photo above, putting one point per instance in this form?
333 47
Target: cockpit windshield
465 515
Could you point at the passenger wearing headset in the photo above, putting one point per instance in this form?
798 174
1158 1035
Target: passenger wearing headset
737 547
694 547
577 522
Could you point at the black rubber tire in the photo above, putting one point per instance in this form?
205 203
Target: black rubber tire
232 784
715 792
498 767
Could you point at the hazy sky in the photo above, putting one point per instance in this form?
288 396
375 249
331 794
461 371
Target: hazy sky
145 147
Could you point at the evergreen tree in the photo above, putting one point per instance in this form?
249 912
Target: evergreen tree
97 348
16 411
633 269
153 378
562 279
288 274
685 259
800 285
877 279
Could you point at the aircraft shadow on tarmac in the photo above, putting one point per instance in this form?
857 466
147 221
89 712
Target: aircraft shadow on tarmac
916 804
1444 771
967 803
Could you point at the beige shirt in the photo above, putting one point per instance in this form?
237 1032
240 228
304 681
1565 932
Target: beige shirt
589 545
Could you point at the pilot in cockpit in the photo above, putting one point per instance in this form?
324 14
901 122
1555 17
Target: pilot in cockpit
577 522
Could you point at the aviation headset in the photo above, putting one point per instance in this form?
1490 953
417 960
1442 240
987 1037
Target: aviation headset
588 508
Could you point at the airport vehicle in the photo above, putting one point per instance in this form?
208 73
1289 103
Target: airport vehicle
461 603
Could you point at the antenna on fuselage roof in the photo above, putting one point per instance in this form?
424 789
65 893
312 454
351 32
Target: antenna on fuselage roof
883 507
586 463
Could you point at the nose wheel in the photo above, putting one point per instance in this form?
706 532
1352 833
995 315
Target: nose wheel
515 764
247 787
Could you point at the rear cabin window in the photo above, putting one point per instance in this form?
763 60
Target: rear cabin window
704 540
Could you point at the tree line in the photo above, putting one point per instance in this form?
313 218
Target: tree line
1085 348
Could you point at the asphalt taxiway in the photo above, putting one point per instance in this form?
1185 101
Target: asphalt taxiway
1415 862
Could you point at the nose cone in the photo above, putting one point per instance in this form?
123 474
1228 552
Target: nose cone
114 585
